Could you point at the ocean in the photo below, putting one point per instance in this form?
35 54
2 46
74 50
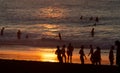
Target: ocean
44 19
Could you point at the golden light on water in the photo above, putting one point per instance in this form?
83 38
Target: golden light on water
52 12
51 29
49 26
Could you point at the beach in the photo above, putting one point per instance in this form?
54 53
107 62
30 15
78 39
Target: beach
21 66
45 51
31 30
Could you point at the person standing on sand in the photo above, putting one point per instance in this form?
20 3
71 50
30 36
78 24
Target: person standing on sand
111 56
70 49
2 31
82 54
91 54
19 34
63 53
117 43
97 56
58 53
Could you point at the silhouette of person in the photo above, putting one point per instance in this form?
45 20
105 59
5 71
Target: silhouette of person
70 49
117 43
97 19
97 56
63 53
92 32
91 18
19 34
2 31
58 53
91 54
81 17
82 54
111 55
60 36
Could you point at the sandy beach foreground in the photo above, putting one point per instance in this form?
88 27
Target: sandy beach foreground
18 66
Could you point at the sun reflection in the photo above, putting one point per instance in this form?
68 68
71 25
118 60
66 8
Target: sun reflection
52 12
51 57
50 29
50 26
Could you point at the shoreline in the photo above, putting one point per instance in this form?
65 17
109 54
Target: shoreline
52 43
21 66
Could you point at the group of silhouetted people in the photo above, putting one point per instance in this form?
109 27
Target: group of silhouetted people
61 53
95 56
96 19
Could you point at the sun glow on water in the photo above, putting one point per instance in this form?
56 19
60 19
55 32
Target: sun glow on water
52 12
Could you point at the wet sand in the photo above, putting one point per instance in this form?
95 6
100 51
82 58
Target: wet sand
20 66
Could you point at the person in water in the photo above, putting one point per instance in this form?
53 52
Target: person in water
92 32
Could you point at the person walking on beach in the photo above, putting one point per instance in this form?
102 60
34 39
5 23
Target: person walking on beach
70 49
82 54
91 54
92 32
117 43
111 56
97 56
19 34
2 31
58 53
63 53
